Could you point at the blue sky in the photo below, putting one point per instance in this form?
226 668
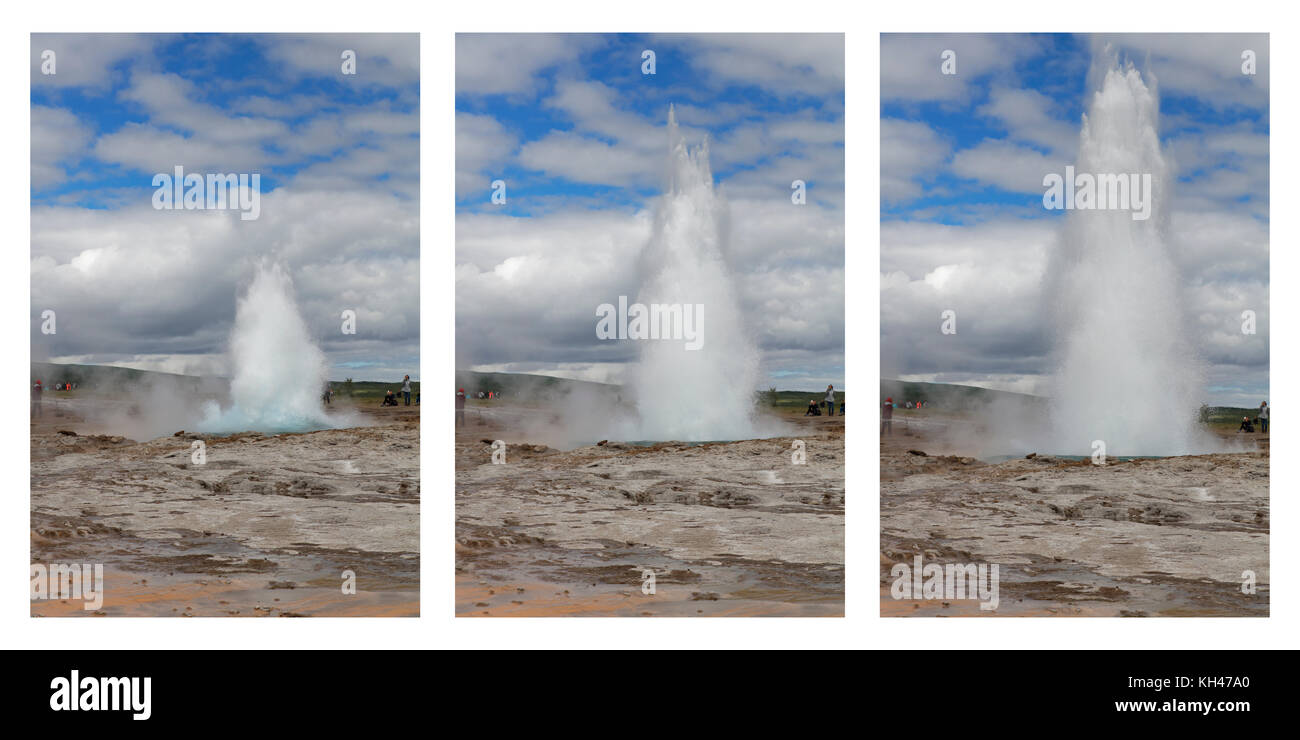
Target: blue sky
338 157
1055 67
614 61
961 183
578 134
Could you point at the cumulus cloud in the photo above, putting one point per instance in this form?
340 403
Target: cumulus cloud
509 64
1207 67
1005 165
385 60
89 61
583 149
786 64
59 139
911 153
974 239
1032 117
910 64
156 289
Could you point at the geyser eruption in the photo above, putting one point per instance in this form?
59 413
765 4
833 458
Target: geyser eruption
705 393
280 373
1126 374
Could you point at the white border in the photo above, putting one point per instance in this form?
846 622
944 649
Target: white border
862 23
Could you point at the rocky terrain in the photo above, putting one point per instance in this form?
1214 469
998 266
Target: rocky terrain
1176 536
726 529
267 525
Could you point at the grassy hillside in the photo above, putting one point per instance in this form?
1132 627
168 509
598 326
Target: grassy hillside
1227 418
795 402
950 397
964 398
526 388
108 379
105 377
368 391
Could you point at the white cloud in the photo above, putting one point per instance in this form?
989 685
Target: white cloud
1029 116
1006 165
492 64
383 59
58 139
910 151
589 160
1206 66
910 64
86 60
992 272
137 282
786 64
482 144
527 287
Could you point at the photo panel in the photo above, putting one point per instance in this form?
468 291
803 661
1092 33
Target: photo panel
225 331
1074 332
650 376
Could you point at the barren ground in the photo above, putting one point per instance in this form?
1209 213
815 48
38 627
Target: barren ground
727 529
267 527
1144 537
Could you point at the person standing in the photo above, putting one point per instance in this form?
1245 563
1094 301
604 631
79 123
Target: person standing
1263 417
406 390
36 400
887 417
830 400
460 407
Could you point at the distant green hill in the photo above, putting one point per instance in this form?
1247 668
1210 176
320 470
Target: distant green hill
964 398
952 397
368 391
794 401
109 379
528 387
1227 417
516 383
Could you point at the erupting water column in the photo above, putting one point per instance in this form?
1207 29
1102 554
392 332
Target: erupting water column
704 394
279 371
1126 373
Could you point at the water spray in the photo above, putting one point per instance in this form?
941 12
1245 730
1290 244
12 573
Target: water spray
279 371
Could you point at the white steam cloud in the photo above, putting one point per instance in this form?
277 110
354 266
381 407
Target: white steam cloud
1126 374
705 393
280 373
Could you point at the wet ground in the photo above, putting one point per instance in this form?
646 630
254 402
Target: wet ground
725 529
269 525
1176 536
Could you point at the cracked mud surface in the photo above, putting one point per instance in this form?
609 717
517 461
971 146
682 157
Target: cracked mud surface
1144 537
728 529
266 527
